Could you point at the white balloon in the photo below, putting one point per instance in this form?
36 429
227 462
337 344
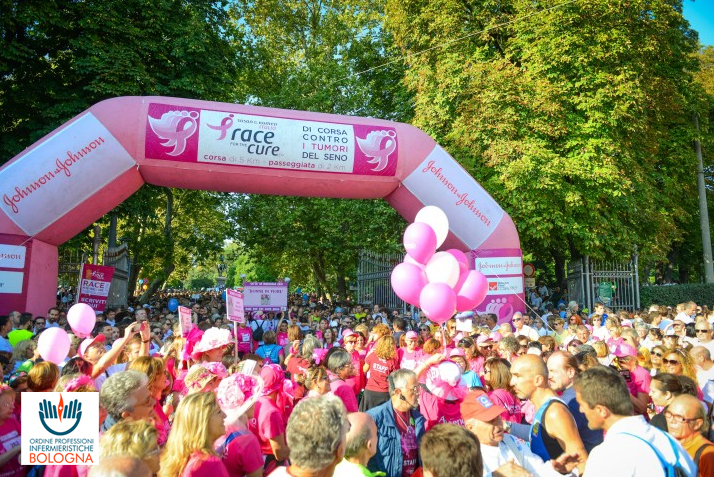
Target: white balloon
437 220
443 268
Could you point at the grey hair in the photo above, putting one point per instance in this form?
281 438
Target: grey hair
309 343
339 358
399 379
357 440
316 428
115 395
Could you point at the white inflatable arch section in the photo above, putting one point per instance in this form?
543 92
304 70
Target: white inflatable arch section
82 170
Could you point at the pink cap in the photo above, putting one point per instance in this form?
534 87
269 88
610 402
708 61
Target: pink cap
411 335
482 339
89 342
624 350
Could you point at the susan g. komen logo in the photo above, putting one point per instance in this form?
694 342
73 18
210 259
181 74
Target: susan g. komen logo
60 419
378 145
60 428
174 128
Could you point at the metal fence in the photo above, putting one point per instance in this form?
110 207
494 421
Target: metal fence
373 280
616 284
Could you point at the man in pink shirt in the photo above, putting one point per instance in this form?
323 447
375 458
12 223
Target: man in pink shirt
637 378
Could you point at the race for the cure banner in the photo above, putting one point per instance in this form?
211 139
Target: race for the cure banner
234 306
265 296
94 285
441 181
82 158
179 133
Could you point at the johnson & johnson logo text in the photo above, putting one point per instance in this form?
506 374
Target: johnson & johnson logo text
470 204
62 166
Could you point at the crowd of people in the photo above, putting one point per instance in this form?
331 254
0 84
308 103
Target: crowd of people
324 389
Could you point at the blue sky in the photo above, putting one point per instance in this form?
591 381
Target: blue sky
700 15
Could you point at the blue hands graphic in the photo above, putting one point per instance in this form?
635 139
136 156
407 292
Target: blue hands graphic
50 412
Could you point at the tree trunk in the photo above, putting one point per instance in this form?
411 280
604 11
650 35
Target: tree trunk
168 265
559 260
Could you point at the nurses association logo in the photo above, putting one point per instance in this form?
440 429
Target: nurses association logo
60 419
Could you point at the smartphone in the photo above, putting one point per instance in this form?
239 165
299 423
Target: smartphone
143 326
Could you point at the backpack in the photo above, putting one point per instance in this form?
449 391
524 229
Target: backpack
258 332
670 470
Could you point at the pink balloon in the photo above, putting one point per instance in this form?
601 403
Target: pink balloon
419 241
472 292
81 319
438 301
407 282
410 260
461 258
53 345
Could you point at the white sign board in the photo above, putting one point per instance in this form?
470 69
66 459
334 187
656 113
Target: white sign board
265 296
11 282
12 256
441 181
52 179
498 266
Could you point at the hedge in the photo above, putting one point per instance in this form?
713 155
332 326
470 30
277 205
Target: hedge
700 293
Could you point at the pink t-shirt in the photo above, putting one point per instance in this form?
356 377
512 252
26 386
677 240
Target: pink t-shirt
343 391
9 439
408 443
409 359
512 404
282 338
242 455
358 381
438 411
379 369
297 367
201 464
268 423
244 337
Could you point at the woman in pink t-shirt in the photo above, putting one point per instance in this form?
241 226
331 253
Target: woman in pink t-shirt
9 434
340 367
270 421
379 363
282 336
245 338
410 355
497 378
350 339
198 423
238 447
155 369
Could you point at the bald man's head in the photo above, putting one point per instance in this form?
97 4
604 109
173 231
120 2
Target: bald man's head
120 466
528 373
362 437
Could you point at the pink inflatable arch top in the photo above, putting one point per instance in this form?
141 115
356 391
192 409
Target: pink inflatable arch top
75 175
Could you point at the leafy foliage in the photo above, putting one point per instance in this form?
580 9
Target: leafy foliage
672 295
576 119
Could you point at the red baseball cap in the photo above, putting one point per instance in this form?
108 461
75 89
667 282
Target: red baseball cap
477 405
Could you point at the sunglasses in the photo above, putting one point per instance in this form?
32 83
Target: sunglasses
659 355
701 331
486 346
517 319
671 361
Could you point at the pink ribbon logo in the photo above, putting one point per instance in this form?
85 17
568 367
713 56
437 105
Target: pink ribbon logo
174 128
226 124
378 145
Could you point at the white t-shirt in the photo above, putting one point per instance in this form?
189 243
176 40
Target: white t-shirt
514 449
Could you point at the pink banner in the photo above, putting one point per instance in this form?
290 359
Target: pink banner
234 306
94 285
184 134
185 323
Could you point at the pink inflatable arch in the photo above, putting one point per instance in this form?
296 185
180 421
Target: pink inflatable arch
73 176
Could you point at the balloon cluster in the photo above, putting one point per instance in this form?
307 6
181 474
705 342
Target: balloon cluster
440 283
54 343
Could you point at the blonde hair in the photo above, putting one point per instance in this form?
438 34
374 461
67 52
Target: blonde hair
134 438
152 367
189 433
381 330
600 348
313 375
386 347
18 354
43 376
87 387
